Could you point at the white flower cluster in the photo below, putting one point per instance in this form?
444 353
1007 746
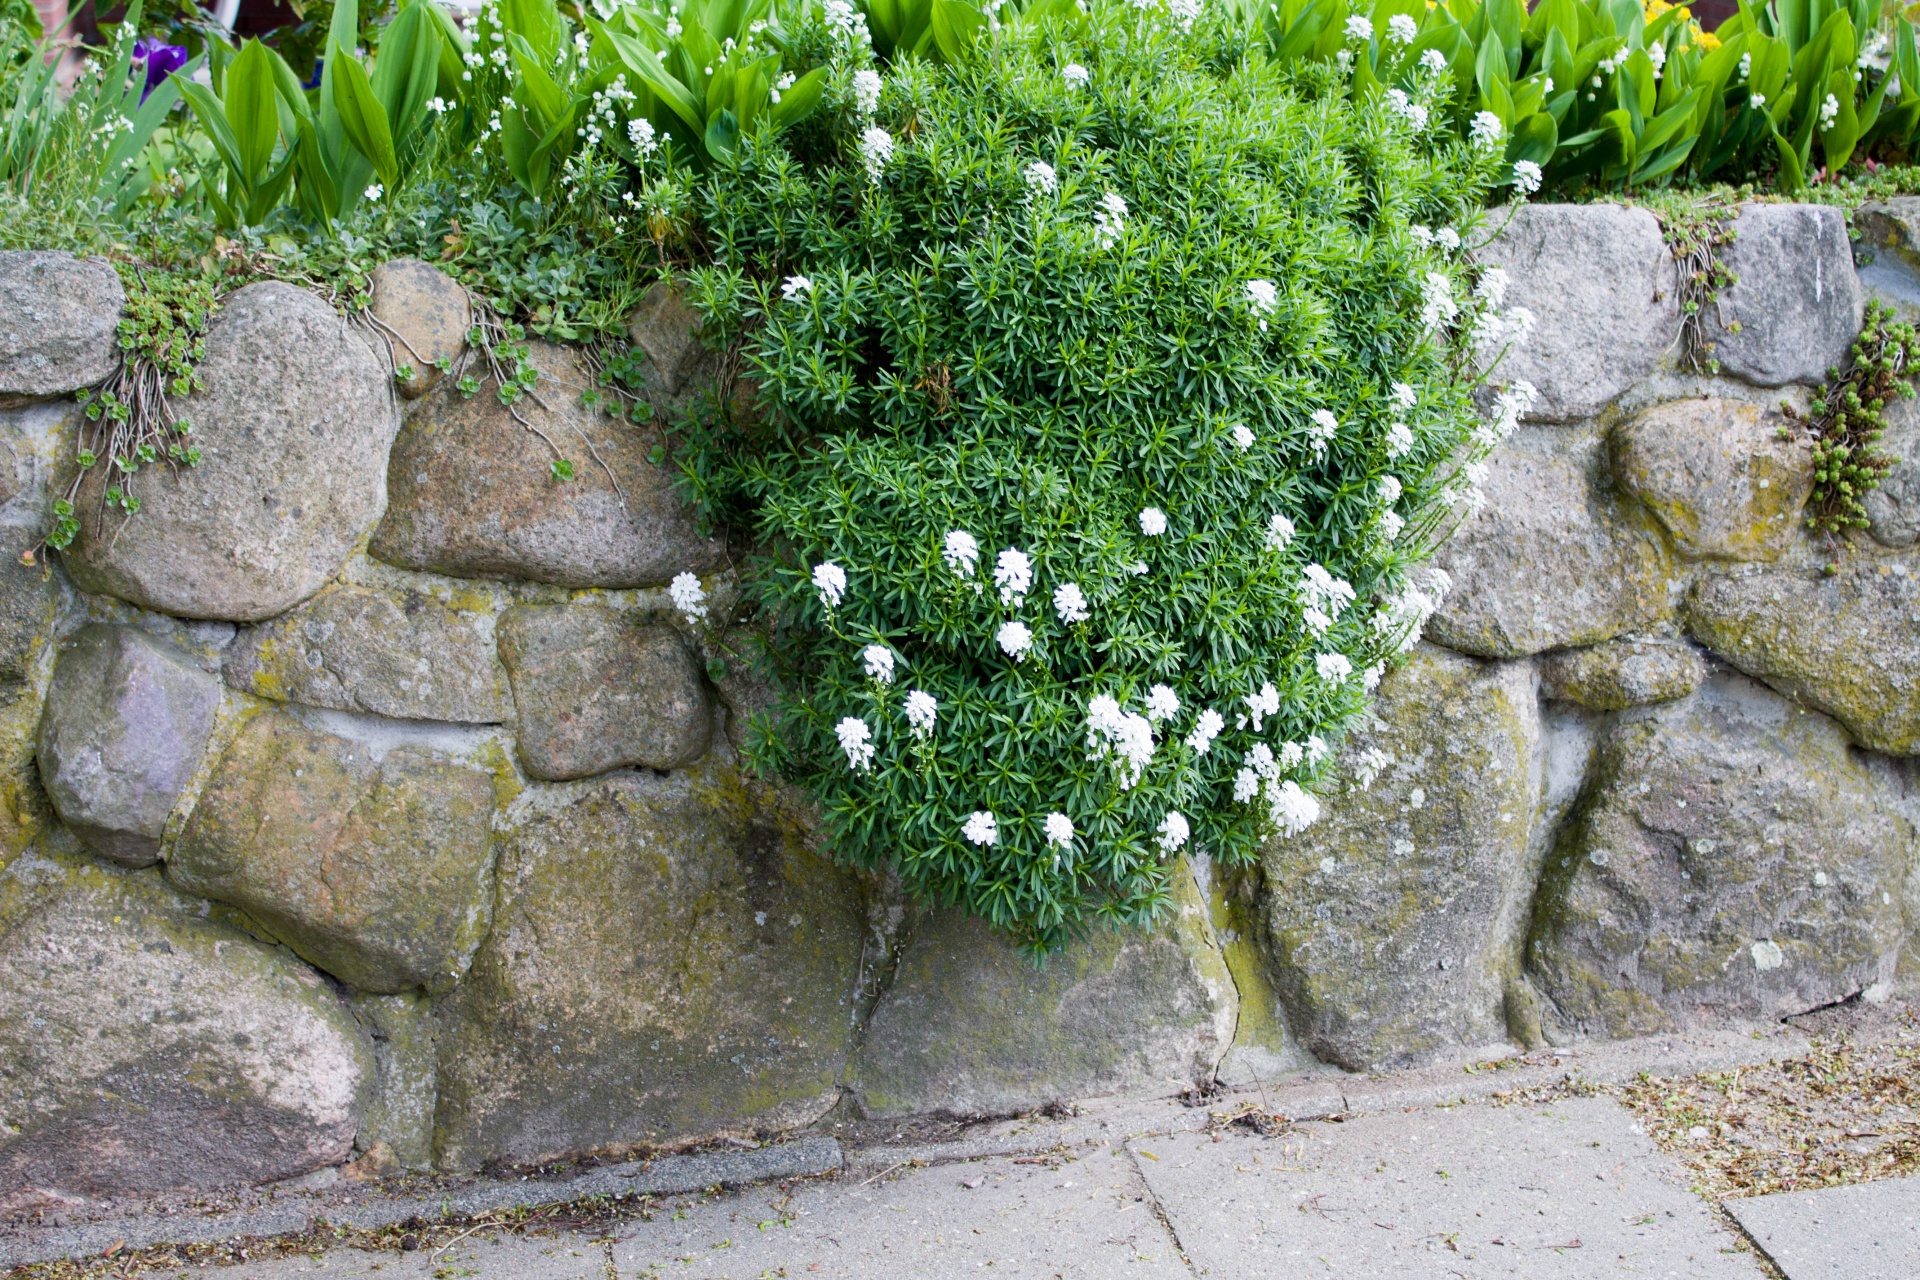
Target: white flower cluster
922 709
641 135
876 151
1076 76
1414 113
830 580
1324 597
1321 427
878 660
848 25
1153 522
688 596
1041 179
1402 28
1438 306
1406 612
981 829
795 289
1526 177
1205 730
1125 737
1290 808
866 91
1110 220
1508 408
1279 532
961 551
1013 574
856 739
1369 765
1359 29
1486 130
1070 603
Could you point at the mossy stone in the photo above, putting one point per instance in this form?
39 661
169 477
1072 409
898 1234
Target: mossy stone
669 959
1392 925
1730 859
1623 673
1718 475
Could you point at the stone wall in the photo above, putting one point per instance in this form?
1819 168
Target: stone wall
366 800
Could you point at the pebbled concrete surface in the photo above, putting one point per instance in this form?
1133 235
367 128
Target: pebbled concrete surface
1868 1231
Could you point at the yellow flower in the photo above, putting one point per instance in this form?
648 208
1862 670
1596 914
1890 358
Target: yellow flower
1706 39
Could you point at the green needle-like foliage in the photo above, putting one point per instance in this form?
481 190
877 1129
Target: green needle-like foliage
1041 320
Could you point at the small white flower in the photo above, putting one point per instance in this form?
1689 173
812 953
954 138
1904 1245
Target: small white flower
922 708
1390 489
1173 832
1242 436
1746 65
1526 177
1757 100
1403 29
1110 220
1359 29
1153 522
830 580
1291 754
1320 431
1391 526
1399 439
1041 178
961 552
1492 288
1433 61
981 829
1075 75
866 91
1293 810
1059 828
1070 603
1447 238
1122 736
1263 704
640 134
1333 667
1279 532
437 105
795 288
1420 233
1404 395
1162 703
1205 730
856 739
1829 112
1486 130
688 596
1015 638
878 660
876 151
1013 574
1246 785
1370 678
1262 296
374 192
1437 303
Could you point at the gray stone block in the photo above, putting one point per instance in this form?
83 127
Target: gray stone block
59 322
1553 559
376 867
1718 475
387 653
427 315
595 692
1600 282
126 719
1618 674
1797 302
144 1048
1392 924
1730 858
294 425
1867 1231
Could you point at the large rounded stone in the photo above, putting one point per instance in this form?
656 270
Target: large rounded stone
398 653
1393 924
376 867
668 960
426 315
596 692
1794 308
1600 282
474 493
294 426
125 721
1718 475
1848 643
1553 559
1622 673
1730 858
59 322
972 1026
144 1048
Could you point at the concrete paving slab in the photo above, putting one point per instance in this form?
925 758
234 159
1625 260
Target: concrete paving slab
1568 1191
1088 1218
1868 1231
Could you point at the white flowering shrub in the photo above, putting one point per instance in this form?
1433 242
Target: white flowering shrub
1098 456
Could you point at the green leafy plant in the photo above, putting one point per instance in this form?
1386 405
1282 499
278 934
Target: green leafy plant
1847 418
245 129
1099 449
130 421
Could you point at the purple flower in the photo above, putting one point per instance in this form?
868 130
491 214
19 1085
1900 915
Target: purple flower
162 60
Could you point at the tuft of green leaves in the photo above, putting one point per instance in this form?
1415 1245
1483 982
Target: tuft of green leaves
1848 417
952 340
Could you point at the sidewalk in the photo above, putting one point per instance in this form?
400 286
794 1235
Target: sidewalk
1417 1175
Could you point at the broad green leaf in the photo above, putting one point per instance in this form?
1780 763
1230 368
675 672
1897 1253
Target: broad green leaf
363 117
798 102
251 113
